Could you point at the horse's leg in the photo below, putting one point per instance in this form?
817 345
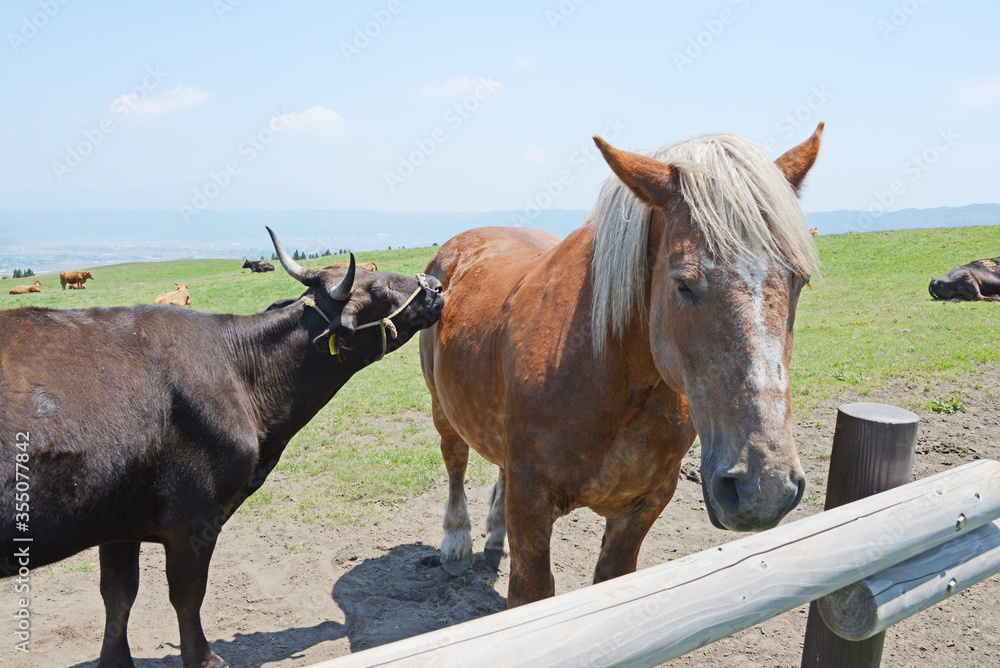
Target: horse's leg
623 536
530 516
456 546
496 524
187 576
119 585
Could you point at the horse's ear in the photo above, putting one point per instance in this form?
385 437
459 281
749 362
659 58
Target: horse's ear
796 162
652 181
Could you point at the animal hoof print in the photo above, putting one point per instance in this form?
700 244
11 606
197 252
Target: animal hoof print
431 561
455 568
493 558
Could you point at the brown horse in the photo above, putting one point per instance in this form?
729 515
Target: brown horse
584 368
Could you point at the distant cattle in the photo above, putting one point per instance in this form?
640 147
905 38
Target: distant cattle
258 266
975 281
813 231
25 289
77 277
154 425
179 297
367 266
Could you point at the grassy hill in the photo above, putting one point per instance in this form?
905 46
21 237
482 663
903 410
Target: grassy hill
867 322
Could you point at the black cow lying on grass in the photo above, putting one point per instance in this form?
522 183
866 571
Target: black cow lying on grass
973 282
257 266
184 416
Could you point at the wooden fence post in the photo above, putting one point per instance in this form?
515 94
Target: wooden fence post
873 448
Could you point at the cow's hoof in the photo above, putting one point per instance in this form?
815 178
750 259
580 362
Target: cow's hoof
458 567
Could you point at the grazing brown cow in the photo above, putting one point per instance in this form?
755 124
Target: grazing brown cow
975 281
179 297
813 231
78 277
25 289
367 266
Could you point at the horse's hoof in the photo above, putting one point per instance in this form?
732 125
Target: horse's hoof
455 568
493 558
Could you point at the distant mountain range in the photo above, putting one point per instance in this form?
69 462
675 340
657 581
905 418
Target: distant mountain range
840 222
47 240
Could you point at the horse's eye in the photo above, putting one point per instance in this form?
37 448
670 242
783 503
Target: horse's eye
684 290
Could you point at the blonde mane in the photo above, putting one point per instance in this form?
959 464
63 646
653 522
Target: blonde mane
738 198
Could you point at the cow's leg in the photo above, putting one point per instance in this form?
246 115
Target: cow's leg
119 585
496 523
530 516
456 546
623 536
188 557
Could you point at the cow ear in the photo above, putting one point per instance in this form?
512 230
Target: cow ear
796 162
322 342
337 335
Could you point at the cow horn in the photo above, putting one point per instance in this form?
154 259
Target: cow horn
293 268
342 292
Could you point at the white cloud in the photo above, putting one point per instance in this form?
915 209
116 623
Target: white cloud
315 119
180 98
462 86
536 156
980 93
524 62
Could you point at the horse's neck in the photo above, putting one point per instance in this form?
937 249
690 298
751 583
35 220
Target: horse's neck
570 262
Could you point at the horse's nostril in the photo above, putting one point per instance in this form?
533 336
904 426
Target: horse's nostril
799 479
726 493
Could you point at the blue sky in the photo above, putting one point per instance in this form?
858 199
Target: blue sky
463 106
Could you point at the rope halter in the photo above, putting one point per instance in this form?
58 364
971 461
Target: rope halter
385 323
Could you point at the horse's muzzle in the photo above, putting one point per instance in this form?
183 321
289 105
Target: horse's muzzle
740 502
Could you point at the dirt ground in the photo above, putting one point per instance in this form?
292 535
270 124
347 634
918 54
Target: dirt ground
287 594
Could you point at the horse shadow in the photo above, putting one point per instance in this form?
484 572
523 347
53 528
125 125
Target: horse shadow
405 593
400 594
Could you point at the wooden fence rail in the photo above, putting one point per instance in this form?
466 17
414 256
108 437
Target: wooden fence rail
663 612
872 605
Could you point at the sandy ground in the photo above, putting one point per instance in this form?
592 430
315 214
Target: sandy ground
287 594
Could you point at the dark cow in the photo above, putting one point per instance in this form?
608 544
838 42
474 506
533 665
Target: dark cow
184 416
975 281
258 266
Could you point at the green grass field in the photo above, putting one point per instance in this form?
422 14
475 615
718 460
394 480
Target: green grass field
867 322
